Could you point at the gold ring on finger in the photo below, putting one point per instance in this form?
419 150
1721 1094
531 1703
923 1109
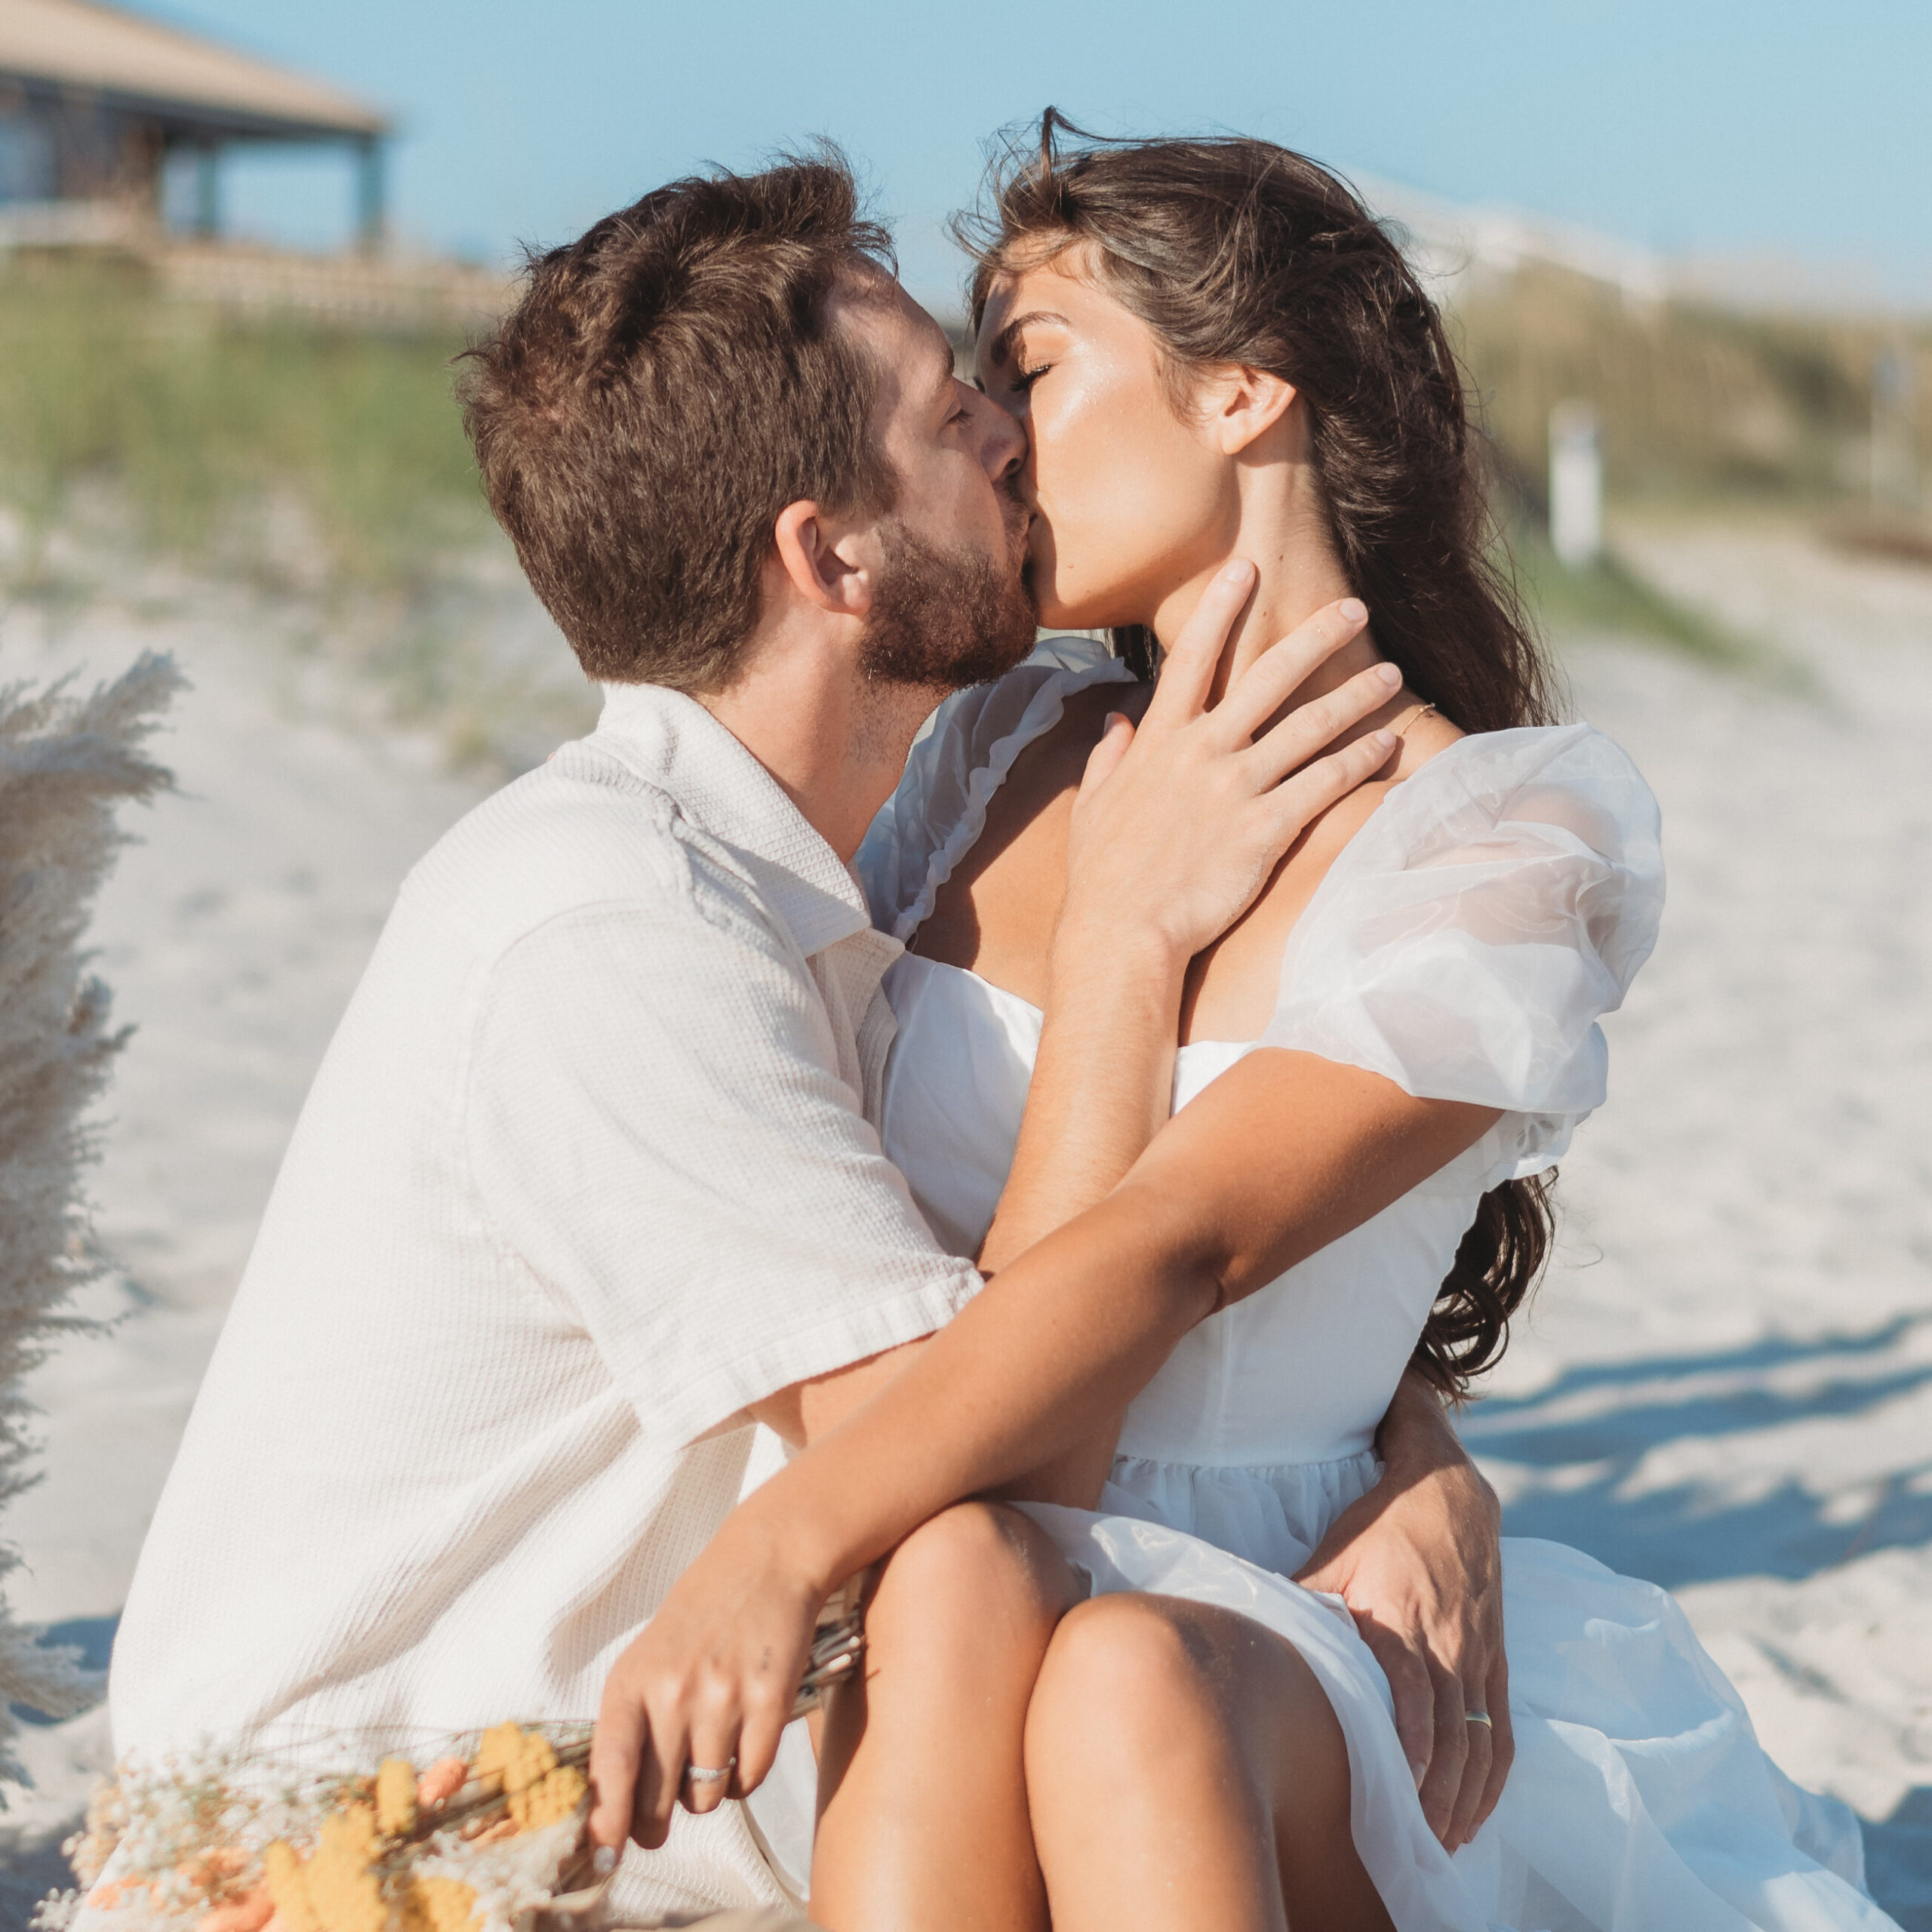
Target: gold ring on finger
1479 1716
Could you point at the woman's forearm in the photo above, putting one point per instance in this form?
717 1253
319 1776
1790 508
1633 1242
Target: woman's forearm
1102 1087
1044 1359
1103 1081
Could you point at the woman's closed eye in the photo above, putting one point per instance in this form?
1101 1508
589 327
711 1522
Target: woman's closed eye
1024 379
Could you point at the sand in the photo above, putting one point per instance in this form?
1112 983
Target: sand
1726 1384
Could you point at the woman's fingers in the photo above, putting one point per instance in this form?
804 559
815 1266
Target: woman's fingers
1284 666
1310 727
1103 761
768 1710
660 1781
616 1753
1300 801
708 1772
1187 670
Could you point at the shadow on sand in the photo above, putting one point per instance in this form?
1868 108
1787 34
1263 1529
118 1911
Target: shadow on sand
1676 1536
1679 1536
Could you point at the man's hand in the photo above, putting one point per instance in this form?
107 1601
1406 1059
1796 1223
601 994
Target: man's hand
1179 823
709 1681
1418 1561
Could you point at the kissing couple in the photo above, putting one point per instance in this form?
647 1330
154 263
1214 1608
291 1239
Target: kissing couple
1051 1128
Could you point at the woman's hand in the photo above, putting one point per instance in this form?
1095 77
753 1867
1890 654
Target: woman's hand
709 1681
1418 1561
1178 824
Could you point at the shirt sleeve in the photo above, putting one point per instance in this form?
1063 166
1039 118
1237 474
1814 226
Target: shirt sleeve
1466 943
655 1125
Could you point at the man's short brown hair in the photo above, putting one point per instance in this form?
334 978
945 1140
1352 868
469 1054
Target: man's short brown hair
668 383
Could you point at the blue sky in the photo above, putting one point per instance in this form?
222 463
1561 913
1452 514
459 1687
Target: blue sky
1732 126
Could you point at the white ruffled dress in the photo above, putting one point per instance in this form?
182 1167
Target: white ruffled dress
1463 944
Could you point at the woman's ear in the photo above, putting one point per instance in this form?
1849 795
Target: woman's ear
823 568
1243 404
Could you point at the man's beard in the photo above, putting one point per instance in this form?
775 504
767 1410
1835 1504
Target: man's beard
946 619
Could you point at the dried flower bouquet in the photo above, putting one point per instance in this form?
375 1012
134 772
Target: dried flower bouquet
491 1837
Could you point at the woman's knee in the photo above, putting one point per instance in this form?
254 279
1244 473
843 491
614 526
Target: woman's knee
1128 1675
979 1578
1126 1671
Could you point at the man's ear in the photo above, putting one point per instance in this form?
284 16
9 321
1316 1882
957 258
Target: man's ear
827 565
1242 405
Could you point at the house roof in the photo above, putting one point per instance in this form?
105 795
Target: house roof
191 84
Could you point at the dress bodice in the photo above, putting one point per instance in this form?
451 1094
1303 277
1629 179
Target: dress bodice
1300 1372
1463 944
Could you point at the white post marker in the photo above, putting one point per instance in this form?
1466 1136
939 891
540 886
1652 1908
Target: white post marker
1894 425
1576 485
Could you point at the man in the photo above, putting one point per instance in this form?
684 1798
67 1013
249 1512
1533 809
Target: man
587 1179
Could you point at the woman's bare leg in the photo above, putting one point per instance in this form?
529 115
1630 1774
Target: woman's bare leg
923 1824
1185 1769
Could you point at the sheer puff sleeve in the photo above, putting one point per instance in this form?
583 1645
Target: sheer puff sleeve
960 761
1468 939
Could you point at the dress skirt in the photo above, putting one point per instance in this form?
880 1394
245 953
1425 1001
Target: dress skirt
1640 1800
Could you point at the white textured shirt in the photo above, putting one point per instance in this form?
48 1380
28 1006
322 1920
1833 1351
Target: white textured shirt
587 1169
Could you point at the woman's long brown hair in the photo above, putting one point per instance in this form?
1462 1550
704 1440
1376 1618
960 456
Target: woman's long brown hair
1236 251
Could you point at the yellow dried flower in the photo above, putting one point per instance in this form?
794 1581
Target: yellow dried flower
553 1797
395 1798
514 1758
343 1892
288 1886
439 1905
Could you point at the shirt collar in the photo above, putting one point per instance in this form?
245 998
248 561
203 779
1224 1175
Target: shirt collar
676 744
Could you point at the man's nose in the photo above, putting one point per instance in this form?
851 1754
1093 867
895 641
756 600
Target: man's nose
1005 443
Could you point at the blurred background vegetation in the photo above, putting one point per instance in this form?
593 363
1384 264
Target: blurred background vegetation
206 428
329 465
323 467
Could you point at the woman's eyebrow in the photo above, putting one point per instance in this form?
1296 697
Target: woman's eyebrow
1002 344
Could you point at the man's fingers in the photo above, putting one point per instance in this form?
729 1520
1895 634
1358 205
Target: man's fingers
1440 1788
1283 667
1187 671
1468 1805
617 1748
1413 1690
1502 1743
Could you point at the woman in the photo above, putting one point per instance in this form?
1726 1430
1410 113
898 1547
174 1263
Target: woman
1244 411
1218 353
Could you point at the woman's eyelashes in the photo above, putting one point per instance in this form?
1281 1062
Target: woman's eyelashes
1024 379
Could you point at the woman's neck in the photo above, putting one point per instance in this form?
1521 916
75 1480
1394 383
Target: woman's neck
1281 527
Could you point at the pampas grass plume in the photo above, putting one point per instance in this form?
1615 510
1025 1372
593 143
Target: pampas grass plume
66 764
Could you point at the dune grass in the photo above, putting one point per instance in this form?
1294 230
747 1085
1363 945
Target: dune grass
1698 404
203 427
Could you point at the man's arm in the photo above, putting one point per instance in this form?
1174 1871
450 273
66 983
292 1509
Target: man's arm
1418 1561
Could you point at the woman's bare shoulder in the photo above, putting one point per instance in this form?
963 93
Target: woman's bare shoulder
996 914
1233 986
